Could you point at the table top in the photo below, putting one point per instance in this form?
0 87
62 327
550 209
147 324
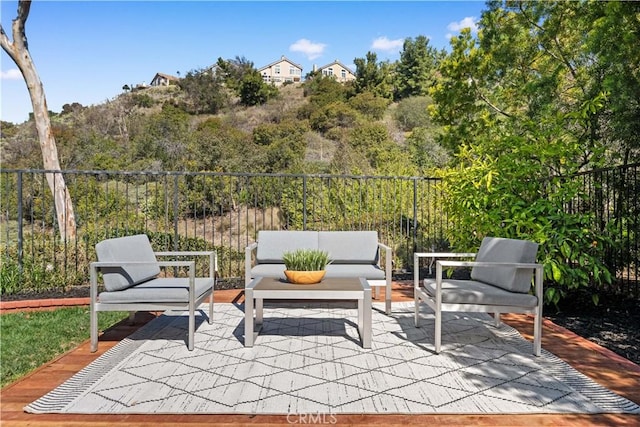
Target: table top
327 284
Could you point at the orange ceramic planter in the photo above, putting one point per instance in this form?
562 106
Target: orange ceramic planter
304 277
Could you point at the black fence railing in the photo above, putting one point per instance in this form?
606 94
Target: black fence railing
225 211
183 210
612 197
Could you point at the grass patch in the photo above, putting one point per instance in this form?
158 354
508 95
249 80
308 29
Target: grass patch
30 339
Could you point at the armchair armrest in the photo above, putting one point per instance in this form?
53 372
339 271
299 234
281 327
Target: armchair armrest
434 256
213 258
247 261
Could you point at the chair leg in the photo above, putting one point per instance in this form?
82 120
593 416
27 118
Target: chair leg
192 327
496 319
416 313
537 333
438 329
211 309
94 331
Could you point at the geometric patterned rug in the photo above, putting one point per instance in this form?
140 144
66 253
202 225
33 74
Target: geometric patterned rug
308 360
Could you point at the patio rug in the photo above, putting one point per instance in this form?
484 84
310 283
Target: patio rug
308 359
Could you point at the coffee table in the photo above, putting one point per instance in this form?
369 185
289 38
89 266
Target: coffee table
261 288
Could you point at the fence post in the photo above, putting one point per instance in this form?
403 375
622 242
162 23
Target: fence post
415 213
20 218
304 202
175 213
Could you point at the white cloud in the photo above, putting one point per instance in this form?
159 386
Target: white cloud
384 44
12 74
307 47
468 22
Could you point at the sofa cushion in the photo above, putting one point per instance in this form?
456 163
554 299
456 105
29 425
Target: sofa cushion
160 290
135 248
474 292
272 244
268 270
350 247
368 271
496 249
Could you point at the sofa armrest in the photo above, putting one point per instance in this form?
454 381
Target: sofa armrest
388 254
248 256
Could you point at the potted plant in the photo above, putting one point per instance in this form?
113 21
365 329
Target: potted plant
305 266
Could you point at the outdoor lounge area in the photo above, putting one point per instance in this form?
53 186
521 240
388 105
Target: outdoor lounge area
316 359
604 367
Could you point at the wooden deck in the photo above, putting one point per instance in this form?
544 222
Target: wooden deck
603 366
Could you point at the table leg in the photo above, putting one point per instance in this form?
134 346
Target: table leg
248 318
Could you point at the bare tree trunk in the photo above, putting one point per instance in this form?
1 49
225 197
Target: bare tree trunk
19 52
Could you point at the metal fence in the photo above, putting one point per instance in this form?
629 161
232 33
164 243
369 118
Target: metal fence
225 211
183 210
611 197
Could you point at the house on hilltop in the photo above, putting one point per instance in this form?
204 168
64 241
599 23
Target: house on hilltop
281 71
337 70
161 79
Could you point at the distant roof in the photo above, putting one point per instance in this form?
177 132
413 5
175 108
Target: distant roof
338 63
167 76
282 58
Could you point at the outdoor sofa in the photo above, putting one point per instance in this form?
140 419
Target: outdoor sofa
352 254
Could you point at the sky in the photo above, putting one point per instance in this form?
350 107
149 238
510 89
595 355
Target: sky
86 51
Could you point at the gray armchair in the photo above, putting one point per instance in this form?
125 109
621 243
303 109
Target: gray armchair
501 279
132 282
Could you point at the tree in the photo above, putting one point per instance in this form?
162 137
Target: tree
18 50
254 91
233 71
373 77
614 38
204 92
416 71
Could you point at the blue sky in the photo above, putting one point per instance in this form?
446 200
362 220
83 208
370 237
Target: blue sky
85 51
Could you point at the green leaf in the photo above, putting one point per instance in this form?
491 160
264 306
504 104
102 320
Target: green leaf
565 249
557 272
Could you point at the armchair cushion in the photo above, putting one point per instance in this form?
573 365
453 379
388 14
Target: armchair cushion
160 290
497 249
135 248
474 292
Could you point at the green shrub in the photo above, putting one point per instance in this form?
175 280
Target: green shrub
306 260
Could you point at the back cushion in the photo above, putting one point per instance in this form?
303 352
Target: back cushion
122 249
350 247
272 244
496 249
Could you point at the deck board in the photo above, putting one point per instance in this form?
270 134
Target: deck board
602 365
